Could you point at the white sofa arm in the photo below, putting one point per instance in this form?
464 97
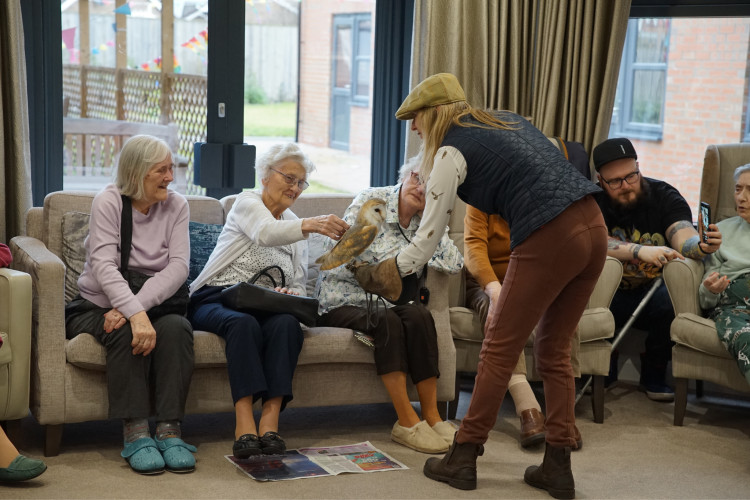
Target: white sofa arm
48 326
683 278
437 283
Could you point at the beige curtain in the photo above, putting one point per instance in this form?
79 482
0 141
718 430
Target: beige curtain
554 61
15 162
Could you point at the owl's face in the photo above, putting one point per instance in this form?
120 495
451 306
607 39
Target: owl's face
372 212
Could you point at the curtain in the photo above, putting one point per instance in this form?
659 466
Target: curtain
555 62
15 162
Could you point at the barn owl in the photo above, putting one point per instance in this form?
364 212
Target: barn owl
358 237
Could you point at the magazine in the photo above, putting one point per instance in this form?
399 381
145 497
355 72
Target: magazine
317 462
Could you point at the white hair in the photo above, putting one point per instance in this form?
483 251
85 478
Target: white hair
739 171
411 165
278 153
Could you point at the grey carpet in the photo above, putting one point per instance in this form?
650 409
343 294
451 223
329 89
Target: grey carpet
635 453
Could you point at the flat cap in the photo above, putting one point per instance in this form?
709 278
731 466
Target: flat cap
442 88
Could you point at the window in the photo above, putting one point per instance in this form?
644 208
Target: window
641 88
691 91
126 62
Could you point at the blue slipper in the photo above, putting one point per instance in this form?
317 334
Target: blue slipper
21 469
143 456
177 454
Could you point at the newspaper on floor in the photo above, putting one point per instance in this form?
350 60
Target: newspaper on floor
317 462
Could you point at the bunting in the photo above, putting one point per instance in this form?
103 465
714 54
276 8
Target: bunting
124 9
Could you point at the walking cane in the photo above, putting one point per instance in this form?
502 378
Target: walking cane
618 338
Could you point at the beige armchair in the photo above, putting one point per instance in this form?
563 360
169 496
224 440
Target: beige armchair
597 325
15 354
698 354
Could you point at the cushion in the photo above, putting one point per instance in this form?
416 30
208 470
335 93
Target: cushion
75 229
465 324
203 239
316 246
699 334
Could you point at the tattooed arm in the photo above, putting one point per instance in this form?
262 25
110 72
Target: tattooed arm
622 250
654 255
683 236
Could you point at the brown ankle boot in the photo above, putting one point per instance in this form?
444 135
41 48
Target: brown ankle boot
532 427
554 475
458 467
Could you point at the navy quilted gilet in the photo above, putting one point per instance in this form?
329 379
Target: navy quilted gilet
518 174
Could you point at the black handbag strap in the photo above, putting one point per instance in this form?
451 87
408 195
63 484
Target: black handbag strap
264 272
126 232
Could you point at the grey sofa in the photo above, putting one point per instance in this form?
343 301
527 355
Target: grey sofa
68 379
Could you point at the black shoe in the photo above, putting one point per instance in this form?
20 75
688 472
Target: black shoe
554 474
247 445
272 444
458 467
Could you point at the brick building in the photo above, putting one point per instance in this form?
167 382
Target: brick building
705 102
327 63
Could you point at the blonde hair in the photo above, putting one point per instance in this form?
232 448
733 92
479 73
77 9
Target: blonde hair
437 120
138 155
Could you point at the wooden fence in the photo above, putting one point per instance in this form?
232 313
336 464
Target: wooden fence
136 96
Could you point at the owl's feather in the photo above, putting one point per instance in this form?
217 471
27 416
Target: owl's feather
357 238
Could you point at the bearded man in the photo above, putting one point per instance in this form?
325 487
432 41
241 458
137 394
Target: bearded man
649 224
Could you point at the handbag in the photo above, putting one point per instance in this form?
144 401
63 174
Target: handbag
177 303
257 300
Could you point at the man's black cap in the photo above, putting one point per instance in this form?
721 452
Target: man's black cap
611 150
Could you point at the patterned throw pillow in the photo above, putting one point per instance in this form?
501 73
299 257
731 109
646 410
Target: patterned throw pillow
75 229
203 239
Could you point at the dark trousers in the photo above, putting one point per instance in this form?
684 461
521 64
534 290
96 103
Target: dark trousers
261 351
550 278
134 381
656 319
405 337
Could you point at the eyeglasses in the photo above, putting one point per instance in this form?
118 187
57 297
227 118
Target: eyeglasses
291 180
631 178
416 179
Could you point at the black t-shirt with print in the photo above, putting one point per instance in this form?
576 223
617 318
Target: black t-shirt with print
646 224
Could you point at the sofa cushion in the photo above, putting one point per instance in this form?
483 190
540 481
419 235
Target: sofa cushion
203 239
465 324
597 323
75 228
328 345
86 352
698 333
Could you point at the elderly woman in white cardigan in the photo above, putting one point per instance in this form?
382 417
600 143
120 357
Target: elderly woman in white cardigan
261 350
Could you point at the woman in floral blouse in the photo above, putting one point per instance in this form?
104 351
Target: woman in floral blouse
404 335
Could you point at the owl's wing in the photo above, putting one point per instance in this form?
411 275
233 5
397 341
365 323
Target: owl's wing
354 242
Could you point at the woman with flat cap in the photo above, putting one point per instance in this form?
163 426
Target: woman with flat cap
499 163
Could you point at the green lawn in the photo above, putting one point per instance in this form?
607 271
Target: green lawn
271 120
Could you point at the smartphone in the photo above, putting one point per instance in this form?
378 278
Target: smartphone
704 218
